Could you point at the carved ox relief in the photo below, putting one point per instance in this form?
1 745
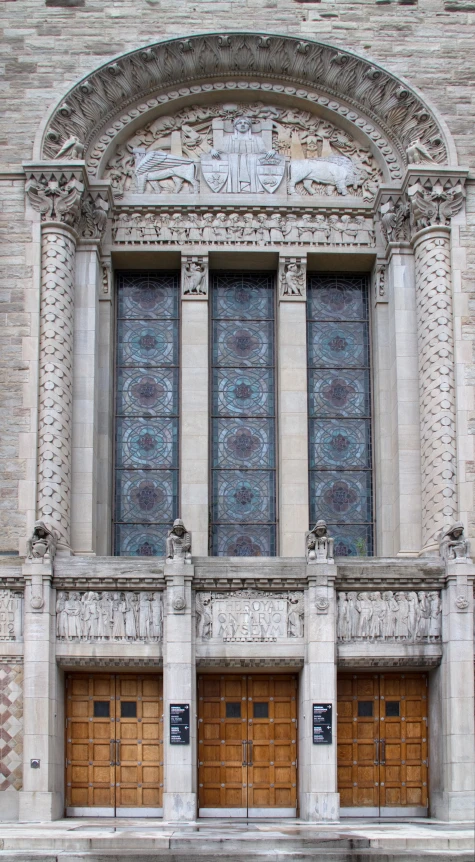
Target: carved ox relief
395 617
243 149
104 617
249 616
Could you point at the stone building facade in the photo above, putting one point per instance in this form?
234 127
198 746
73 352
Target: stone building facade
237 430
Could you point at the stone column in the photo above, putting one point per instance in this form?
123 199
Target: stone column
403 402
194 399
452 733
292 404
40 798
319 797
179 687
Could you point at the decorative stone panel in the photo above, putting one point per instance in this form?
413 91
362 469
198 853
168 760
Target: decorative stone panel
11 615
249 616
11 724
109 617
390 616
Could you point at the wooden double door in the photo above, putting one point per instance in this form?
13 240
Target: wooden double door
383 744
114 745
247 745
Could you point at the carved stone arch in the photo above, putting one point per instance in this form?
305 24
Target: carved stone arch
128 90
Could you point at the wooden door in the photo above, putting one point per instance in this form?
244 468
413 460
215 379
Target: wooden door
114 760
404 748
247 742
272 746
382 744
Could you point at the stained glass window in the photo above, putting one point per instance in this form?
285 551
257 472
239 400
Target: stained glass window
243 505
340 411
146 453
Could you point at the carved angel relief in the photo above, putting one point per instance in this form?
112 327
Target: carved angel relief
243 149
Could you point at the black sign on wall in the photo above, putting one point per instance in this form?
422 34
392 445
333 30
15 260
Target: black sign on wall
322 724
179 723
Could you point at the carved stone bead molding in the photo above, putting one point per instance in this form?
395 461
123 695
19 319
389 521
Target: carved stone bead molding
292 278
244 228
249 616
131 83
109 617
436 383
55 379
11 615
194 276
56 194
389 616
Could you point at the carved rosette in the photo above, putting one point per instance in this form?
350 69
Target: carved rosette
55 378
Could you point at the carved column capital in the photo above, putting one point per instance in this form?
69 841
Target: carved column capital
56 190
434 200
194 276
293 278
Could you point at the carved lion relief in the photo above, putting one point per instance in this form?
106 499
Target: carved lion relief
236 148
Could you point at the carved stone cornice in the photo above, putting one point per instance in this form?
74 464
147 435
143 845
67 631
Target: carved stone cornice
137 82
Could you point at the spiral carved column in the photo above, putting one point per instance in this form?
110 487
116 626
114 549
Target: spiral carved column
58 247
436 381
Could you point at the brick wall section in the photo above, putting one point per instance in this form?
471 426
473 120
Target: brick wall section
45 48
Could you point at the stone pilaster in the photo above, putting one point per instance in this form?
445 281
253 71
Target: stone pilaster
40 798
194 399
179 687
292 404
319 797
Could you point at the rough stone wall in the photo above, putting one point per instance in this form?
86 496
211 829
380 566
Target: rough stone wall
46 45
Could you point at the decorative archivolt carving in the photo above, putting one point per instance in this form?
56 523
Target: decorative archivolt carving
249 615
126 617
244 148
397 617
241 227
11 615
133 81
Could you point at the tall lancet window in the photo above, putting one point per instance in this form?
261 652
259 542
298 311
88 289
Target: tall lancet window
340 410
146 451
243 504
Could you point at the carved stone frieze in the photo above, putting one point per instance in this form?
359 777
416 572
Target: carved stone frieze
11 615
249 616
109 617
390 616
246 228
95 108
244 149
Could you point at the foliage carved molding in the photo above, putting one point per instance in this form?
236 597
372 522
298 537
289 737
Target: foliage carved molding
141 84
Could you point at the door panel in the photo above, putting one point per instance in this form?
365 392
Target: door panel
247 745
114 761
382 744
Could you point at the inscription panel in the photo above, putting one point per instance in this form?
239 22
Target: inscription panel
11 615
249 616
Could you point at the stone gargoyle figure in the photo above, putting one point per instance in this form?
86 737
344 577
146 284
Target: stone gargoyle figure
42 541
318 544
452 545
179 543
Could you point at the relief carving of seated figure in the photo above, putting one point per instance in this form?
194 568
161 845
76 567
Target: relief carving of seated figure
452 544
179 543
42 541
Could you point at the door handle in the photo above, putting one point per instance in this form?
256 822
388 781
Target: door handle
117 752
244 751
377 751
111 752
383 751
250 752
